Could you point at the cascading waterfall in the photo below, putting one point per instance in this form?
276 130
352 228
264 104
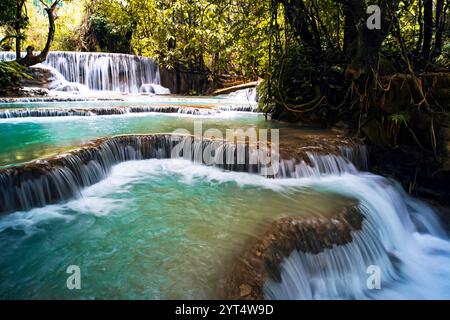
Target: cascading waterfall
102 71
56 99
246 101
102 111
151 88
48 181
249 95
349 160
398 234
241 108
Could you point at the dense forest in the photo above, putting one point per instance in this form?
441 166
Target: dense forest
213 37
323 46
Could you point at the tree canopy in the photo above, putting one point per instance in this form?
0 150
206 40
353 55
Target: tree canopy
213 36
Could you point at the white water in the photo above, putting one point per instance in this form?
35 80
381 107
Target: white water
400 234
19 190
249 95
59 82
102 111
241 100
78 71
151 88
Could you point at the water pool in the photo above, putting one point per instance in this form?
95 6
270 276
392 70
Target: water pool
25 139
154 229
170 229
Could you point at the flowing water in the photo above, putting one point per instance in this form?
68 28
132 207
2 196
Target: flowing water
24 139
153 229
156 229
170 228
99 71
401 236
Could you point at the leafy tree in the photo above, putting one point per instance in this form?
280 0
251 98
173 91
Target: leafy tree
11 73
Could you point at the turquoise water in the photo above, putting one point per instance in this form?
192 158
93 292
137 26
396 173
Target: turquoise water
173 100
25 139
170 229
154 229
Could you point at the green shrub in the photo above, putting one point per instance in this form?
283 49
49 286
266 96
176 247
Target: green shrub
11 74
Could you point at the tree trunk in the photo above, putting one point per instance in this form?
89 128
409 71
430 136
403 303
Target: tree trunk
18 28
366 45
297 15
350 31
420 22
427 28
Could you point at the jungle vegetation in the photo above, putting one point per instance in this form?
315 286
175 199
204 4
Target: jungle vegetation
319 62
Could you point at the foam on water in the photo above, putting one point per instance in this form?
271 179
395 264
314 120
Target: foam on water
400 234
172 224
123 175
98 71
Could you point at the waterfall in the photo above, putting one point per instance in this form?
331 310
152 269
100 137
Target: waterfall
325 257
153 89
58 178
102 111
245 100
400 236
241 108
102 71
55 99
249 95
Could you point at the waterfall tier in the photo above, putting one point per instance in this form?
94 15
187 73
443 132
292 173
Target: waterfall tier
102 111
59 178
102 71
249 95
401 241
240 107
263 262
333 257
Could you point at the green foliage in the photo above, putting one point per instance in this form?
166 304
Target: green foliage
211 36
7 12
400 117
9 22
444 57
325 67
108 36
33 26
11 73
296 80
